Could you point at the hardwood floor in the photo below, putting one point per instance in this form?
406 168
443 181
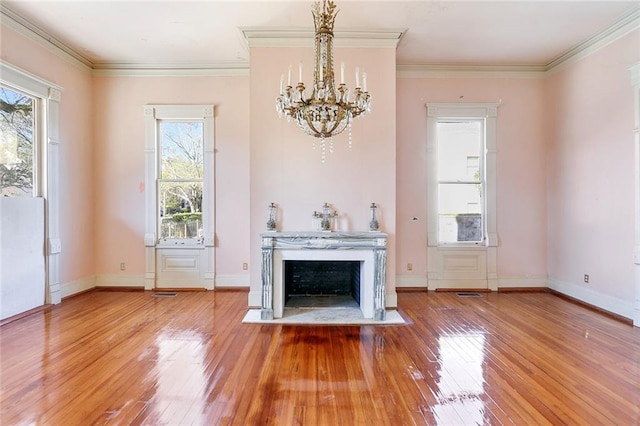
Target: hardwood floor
503 358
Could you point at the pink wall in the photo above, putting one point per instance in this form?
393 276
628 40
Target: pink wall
76 149
521 203
286 170
565 163
119 165
591 172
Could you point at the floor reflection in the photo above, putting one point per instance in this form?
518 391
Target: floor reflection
461 379
181 380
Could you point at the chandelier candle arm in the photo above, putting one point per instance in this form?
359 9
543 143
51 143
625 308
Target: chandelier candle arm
329 110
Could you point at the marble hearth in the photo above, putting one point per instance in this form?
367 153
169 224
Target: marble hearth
368 248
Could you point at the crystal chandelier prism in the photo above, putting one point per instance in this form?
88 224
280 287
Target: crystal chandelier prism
331 108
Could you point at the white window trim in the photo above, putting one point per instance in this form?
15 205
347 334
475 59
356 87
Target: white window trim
154 113
46 182
635 83
477 264
488 112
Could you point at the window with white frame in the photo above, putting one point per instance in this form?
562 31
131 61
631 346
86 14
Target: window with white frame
461 174
180 168
460 144
30 155
18 147
180 179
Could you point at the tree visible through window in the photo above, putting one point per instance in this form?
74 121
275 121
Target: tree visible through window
180 183
16 143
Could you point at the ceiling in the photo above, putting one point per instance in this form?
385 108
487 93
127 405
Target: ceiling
210 33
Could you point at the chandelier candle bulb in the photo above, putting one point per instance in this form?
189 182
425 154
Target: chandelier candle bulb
364 81
281 84
342 73
357 77
289 79
300 72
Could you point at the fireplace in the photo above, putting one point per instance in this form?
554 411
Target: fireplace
309 283
367 250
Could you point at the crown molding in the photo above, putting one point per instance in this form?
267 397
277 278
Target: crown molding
471 71
33 32
618 29
621 27
121 69
26 28
304 37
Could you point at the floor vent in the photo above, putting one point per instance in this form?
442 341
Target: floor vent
164 294
467 294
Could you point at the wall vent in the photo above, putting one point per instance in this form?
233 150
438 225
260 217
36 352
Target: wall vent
468 294
164 294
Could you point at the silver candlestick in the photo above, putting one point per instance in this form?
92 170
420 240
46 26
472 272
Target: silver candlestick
271 222
373 223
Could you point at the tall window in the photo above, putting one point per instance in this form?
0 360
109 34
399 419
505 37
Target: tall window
179 174
180 179
460 144
17 147
30 156
461 174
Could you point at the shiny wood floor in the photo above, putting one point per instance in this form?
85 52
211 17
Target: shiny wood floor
131 358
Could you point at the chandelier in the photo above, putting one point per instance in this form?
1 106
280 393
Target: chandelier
330 109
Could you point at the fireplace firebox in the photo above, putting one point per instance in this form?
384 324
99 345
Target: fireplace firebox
321 278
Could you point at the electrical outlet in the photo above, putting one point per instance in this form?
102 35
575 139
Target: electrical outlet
123 266
245 266
409 267
586 278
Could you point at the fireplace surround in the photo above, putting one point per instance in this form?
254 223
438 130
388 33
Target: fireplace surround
367 248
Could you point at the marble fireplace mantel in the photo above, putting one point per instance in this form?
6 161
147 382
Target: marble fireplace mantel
370 248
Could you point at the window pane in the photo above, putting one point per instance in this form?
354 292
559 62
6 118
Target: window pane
16 143
180 209
459 150
181 150
459 212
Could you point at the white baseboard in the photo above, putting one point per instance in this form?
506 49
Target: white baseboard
420 281
609 303
233 280
138 281
411 281
522 282
255 299
450 284
391 300
120 281
77 286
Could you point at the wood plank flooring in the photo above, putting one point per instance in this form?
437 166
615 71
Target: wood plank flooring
504 358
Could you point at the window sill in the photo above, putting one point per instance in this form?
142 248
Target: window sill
180 245
465 246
